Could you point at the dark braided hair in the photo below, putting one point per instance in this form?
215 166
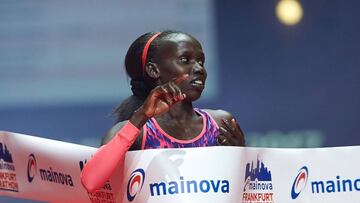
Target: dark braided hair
140 83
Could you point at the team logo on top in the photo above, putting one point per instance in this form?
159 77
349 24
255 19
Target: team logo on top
31 168
135 183
8 180
299 182
258 184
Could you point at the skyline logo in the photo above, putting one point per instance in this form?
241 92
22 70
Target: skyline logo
257 184
48 175
5 154
135 183
299 182
31 168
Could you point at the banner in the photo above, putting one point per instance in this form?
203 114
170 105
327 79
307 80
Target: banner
48 170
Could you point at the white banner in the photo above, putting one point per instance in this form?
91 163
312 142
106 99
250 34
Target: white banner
48 170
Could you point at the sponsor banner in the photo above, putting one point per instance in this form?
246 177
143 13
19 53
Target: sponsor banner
248 175
49 170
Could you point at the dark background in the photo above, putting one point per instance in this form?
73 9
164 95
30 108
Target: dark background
271 77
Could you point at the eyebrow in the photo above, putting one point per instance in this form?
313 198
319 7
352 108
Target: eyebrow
186 52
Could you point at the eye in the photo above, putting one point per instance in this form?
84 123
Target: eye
184 59
201 62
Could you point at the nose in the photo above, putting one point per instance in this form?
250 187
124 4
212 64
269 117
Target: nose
198 69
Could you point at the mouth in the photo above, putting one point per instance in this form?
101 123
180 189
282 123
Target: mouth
198 83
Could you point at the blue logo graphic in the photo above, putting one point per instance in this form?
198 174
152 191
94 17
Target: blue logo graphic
299 182
135 183
261 173
31 168
258 174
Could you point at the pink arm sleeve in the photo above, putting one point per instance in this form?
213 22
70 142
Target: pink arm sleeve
106 159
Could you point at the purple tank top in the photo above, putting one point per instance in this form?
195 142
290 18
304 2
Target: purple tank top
154 137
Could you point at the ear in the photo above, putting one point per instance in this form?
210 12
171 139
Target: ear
152 70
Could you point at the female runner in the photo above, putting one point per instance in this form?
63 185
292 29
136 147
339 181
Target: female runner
167 74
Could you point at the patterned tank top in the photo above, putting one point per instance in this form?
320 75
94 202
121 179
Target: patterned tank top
154 137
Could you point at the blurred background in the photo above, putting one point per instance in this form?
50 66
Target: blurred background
288 70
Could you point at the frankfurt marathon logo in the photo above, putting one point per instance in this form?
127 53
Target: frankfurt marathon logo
299 182
135 184
258 184
178 187
330 186
8 180
48 175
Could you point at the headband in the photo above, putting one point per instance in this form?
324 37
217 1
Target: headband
145 51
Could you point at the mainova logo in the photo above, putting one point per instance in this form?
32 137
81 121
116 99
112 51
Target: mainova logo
31 168
258 183
299 182
328 185
177 186
182 186
48 175
135 183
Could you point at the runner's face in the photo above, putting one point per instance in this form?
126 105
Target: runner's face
182 54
